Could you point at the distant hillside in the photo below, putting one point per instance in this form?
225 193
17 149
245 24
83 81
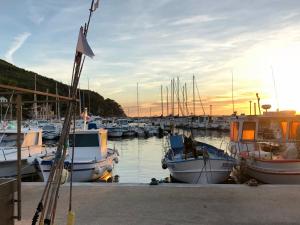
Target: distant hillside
12 75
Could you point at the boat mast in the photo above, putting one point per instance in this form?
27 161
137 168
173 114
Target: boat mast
89 109
167 100
194 95
161 99
232 91
178 100
35 99
137 100
47 105
186 100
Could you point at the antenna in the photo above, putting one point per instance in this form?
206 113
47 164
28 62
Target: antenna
275 89
232 91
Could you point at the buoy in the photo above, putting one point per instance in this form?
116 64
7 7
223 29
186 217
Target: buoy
116 160
109 168
154 181
71 218
64 176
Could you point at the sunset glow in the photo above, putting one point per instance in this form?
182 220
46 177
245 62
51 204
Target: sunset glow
151 42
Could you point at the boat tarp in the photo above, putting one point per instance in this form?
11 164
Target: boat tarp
176 142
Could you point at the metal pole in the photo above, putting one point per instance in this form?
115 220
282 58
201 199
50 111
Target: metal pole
19 115
89 110
250 107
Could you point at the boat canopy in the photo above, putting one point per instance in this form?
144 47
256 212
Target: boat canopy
89 144
176 142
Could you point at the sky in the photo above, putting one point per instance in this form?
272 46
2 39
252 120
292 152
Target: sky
257 43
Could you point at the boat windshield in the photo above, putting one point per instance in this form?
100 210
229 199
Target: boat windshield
84 140
272 130
49 128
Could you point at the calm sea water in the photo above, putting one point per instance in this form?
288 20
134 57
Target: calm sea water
140 159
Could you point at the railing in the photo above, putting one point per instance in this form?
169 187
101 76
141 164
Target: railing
23 149
270 146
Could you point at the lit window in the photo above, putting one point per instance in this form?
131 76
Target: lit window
248 131
295 131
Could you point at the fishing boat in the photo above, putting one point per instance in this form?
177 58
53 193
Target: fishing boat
194 162
31 148
51 131
268 146
91 160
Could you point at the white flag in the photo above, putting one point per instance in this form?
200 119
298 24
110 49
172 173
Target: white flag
96 5
83 45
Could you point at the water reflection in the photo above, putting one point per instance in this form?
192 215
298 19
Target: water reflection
140 159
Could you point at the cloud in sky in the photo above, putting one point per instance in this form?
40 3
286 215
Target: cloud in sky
152 41
17 43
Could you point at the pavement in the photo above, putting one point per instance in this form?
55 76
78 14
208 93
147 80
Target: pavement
170 204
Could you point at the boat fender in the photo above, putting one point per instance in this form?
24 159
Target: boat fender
164 164
116 159
30 160
154 181
109 168
64 176
97 170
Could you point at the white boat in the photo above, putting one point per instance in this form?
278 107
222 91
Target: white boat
92 158
268 146
115 132
51 131
31 148
196 162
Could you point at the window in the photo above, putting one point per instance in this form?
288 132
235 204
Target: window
295 130
283 126
248 133
84 140
234 131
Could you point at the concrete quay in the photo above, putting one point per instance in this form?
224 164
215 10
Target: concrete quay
170 204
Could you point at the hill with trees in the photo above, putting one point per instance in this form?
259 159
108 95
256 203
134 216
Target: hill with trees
12 75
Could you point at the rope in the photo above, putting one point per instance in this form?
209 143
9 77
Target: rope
72 164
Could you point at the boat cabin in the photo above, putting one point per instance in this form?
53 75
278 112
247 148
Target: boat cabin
31 140
89 144
276 127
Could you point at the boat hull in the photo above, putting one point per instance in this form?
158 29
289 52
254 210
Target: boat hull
82 171
9 168
197 171
274 171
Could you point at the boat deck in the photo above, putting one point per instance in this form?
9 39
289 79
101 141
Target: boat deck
171 204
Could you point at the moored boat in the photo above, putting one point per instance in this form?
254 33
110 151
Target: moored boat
268 146
91 160
196 162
